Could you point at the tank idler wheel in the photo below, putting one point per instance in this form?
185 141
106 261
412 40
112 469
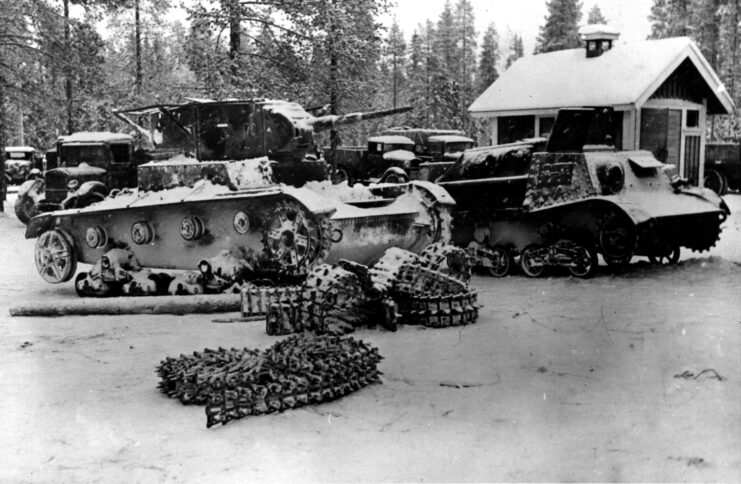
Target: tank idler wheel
531 261
501 262
670 256
585 261
55 256
617 241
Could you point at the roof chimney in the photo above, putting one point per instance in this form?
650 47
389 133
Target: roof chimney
598 38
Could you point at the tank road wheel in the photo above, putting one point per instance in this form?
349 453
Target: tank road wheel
293 239
531 261
501 262
55 256
617 241
716 181
584 261
668 256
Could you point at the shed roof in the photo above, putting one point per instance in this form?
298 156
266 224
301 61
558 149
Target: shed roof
627 74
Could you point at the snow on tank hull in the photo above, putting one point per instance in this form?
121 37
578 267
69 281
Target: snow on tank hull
270 231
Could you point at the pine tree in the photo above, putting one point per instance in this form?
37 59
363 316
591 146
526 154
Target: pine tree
465 77
489 58
394 62
595 16
516 50
561 26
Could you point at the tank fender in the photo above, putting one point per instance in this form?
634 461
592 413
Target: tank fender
39 224
707 195
313 202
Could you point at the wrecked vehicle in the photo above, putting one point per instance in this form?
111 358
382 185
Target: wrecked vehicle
228 220
562 202
91 164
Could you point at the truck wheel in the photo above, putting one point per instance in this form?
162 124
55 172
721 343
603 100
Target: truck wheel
25 204
716 181
25 208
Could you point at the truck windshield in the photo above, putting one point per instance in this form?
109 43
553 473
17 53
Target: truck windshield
93 155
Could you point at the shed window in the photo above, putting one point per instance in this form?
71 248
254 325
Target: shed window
545 126
692 120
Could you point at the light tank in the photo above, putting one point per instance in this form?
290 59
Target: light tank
562 201
227 220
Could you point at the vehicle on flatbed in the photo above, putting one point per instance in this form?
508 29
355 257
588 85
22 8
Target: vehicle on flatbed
722 166
562 202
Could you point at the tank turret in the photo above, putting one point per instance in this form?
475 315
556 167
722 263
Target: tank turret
238 129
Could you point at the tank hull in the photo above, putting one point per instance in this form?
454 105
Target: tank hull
617 204
272 231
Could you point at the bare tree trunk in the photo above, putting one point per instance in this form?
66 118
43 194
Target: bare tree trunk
138 48
3 133
235 36
68 76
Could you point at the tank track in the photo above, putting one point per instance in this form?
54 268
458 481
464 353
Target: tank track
402 286
303 369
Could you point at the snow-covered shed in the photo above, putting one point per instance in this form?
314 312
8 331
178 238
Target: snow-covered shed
661 90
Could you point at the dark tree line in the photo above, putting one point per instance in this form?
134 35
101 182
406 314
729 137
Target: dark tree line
714 26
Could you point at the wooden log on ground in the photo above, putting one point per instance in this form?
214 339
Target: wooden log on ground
203 303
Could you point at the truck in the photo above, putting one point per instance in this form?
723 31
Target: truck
91 164
722 166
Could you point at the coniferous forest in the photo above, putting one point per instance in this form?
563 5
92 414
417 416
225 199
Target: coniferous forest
64 64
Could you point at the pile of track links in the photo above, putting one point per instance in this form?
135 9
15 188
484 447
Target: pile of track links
302 369
429 289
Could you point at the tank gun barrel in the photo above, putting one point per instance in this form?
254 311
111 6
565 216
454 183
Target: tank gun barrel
324 123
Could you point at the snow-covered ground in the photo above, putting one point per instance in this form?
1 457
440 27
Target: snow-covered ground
561 379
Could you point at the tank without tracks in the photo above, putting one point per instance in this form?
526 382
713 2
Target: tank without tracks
227 220
562 201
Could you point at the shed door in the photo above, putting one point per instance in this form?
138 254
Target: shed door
661 133
692 147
